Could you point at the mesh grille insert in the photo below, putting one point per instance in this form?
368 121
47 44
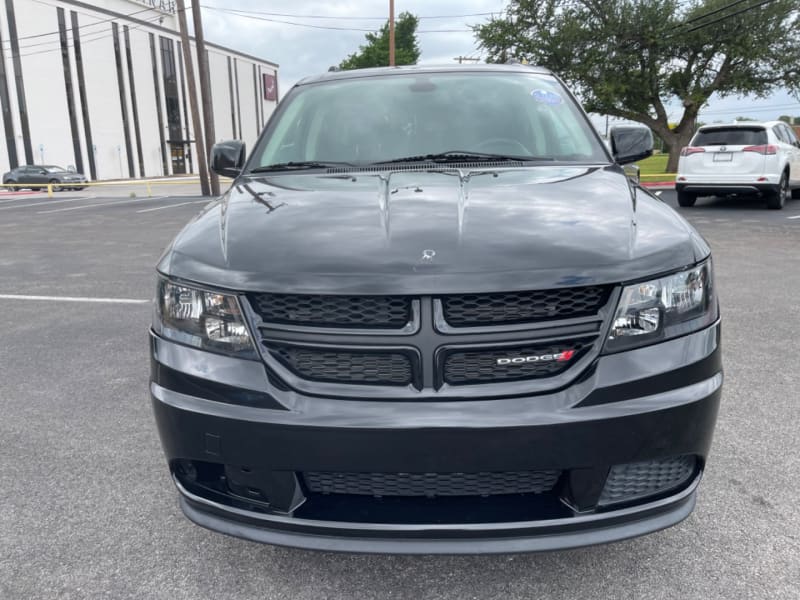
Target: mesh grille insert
392 312
338 366
431 484
481 366
636 480
508 308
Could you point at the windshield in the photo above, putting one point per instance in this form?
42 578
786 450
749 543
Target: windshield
55 170
383 118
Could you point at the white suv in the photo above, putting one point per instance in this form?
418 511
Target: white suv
741 158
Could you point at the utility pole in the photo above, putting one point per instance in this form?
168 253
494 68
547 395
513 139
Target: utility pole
205 90
391 33
202 166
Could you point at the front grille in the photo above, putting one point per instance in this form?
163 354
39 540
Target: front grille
339 366
472 310
390 312
431 484
636 480
481 366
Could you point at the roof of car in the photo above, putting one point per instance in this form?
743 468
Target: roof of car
478 68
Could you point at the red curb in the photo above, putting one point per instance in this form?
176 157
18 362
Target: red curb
19 193
662 184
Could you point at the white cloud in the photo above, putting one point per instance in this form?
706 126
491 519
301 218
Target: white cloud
303 51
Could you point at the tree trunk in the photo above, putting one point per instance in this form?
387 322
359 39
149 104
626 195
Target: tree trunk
676 142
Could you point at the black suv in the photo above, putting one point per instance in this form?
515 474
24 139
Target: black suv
432 314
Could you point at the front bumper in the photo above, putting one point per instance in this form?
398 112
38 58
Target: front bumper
232 420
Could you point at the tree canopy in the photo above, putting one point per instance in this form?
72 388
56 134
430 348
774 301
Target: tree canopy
637 59
375 53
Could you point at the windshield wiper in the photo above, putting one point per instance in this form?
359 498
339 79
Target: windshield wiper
299 165
460 156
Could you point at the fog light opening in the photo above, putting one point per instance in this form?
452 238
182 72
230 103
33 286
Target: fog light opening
632 482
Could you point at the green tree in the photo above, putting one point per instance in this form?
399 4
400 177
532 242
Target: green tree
638 59
375 53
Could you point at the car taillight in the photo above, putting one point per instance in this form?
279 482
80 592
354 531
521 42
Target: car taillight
687 150
762 149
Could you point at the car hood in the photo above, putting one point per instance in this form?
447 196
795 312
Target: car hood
432 231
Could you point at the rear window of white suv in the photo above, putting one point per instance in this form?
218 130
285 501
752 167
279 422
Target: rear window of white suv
731 136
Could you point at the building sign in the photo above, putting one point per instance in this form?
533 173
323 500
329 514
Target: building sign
167 6
270 87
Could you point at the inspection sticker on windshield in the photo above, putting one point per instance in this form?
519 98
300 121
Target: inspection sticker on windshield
547 97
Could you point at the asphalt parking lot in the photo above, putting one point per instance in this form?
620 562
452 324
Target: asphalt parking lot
88 509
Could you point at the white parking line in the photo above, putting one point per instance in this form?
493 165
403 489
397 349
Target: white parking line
24 197
144 210
139 200
74 299
794 217
46 203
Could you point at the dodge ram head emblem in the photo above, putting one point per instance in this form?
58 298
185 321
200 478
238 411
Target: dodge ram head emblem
541 358
427 255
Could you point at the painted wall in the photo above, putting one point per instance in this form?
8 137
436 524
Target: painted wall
111 115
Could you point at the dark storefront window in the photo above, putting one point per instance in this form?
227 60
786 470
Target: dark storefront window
172 97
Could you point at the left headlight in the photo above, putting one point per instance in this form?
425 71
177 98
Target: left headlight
661 309
200 318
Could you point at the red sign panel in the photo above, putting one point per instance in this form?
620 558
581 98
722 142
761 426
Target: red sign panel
270 84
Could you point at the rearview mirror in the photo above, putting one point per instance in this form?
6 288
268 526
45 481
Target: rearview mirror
631 143
228 158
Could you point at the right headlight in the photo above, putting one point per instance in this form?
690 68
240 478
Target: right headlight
667 307
201 318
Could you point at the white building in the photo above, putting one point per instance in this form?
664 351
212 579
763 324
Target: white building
102 86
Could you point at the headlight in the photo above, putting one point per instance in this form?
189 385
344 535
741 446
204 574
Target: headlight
203 319
664 308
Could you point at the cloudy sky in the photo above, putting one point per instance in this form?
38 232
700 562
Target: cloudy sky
306 48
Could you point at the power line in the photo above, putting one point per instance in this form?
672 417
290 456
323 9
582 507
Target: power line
100 22
680 28
69 32
327 27
712 12
83 41
744 109
342 18
730 15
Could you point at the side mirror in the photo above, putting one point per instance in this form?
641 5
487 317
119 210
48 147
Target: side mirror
228 158
631 143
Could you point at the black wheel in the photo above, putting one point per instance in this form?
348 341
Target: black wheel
56 187
10 188
686 199
777 197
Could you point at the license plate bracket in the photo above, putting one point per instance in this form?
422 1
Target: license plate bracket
723 156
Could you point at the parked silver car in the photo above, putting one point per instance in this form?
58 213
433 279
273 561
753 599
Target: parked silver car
39 176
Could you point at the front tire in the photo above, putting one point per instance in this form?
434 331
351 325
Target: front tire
686 199
776 199
56 187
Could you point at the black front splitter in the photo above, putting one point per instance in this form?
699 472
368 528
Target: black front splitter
483 538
